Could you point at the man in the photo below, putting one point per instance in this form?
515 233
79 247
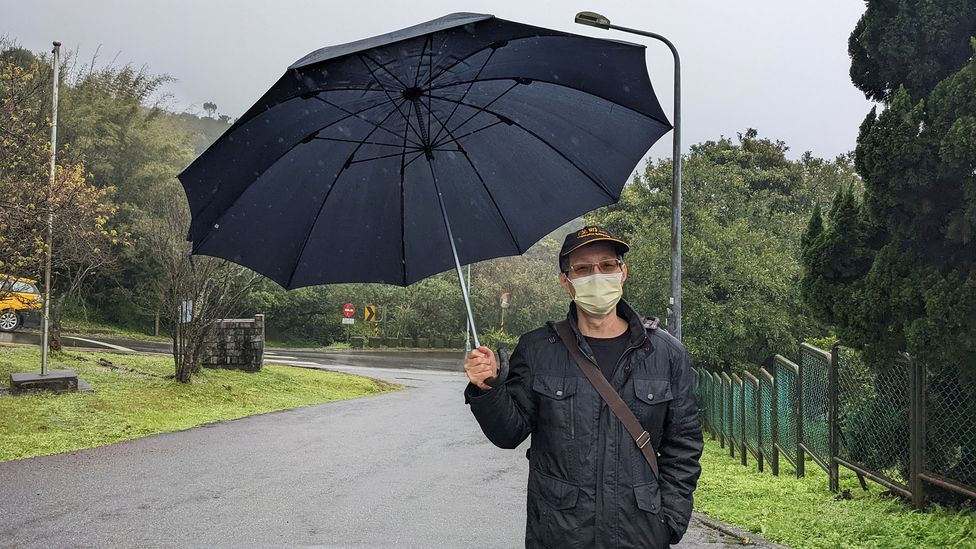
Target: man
589 483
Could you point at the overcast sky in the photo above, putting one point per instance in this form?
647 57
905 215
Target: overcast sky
778 66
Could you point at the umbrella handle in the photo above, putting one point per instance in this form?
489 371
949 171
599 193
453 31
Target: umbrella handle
502 373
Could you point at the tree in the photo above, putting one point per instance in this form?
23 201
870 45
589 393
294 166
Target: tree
910 43
896 270
910 286
211 108
82 234
191 292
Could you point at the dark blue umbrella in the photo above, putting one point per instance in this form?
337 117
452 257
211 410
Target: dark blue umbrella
394 158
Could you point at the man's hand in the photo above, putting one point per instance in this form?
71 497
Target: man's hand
480 366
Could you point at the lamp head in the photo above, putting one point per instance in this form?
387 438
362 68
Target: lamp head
592 19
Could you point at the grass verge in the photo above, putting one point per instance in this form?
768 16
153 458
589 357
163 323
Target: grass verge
803 513
88 328
136 399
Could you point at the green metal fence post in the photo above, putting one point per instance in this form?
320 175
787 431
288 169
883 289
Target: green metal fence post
916 419
832 420
799 420
774 427
741 437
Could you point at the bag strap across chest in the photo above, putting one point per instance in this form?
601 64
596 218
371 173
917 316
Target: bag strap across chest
609 395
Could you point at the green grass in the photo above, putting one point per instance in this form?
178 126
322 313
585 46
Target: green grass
803 513
128 405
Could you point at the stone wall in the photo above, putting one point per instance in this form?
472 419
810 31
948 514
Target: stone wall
236 344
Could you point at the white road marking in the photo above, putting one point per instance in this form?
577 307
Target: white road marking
293 362
271 355
102 343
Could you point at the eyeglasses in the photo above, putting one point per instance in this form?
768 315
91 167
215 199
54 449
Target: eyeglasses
607 266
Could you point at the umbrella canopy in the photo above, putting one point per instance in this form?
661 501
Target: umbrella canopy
348 168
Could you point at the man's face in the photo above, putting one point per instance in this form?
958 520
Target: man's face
590 254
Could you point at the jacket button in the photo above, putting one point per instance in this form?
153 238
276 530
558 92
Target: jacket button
559 393
650 396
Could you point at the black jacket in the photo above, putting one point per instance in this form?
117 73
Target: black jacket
589 484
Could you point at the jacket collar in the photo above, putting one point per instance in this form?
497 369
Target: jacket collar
635 324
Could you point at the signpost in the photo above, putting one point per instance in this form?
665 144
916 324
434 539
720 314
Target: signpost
369 314
504 301
348 312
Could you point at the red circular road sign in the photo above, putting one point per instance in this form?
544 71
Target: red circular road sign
348 310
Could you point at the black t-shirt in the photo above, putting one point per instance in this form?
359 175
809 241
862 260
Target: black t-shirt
607 352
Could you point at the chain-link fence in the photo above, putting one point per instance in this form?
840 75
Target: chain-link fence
786 400
906 426
815 403
728 429
873 419
750 437
767 420
949 461
737 425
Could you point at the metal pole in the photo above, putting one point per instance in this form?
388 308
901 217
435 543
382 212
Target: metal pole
457 262
45 329
916 417
676 180
833 447
467 334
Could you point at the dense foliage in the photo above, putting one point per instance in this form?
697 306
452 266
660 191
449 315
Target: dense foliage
895 269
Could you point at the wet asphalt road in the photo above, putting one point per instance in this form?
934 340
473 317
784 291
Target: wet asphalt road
408 469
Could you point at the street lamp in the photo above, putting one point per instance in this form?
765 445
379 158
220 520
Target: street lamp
592 19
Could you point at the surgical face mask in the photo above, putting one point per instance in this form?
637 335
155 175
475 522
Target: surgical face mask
598 293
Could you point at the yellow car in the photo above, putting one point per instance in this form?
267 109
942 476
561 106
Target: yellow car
20 303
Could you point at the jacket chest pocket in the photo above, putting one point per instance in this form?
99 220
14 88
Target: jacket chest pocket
653 396
556 396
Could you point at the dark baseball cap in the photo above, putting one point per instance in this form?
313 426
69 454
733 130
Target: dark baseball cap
588 235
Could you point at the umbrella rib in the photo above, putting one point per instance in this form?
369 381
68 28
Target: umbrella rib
403 232
361 55
292 147
465 58
490 103
483 184
406 119
463 96
420 63
390 100
310 93
361 160
430 68
541 140
412 160
468 134
328 193
611 101
377 143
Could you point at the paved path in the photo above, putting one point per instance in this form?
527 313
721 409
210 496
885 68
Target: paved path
409 469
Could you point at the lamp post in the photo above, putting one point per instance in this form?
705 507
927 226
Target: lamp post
46 333
592 19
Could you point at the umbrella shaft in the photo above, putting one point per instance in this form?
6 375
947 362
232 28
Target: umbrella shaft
457 262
